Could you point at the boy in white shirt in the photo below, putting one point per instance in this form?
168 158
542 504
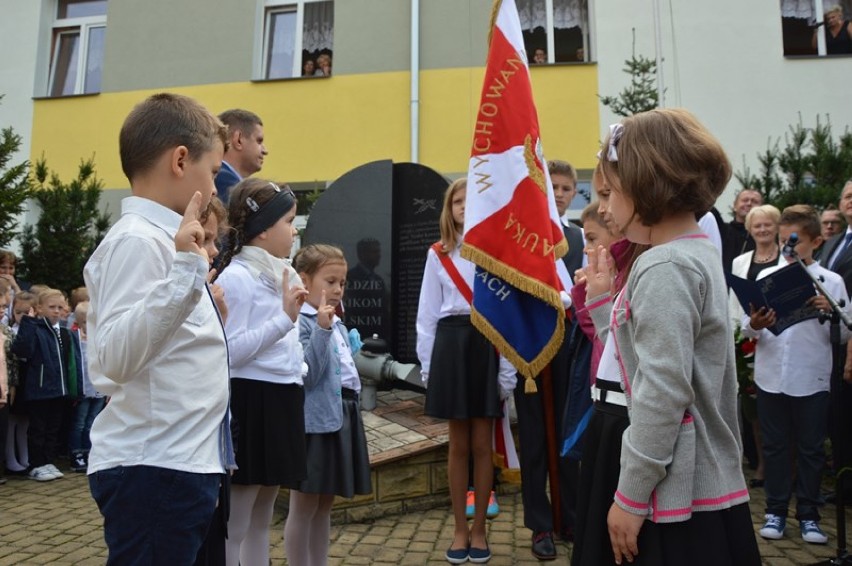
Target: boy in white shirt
156 345
792 373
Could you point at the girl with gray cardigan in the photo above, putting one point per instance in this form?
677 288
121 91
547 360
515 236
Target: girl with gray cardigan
681 482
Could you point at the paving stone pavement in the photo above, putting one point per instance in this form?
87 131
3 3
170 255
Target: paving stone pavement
58 523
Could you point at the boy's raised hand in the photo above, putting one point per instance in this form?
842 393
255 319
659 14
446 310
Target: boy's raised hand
293 297
190 234
325 313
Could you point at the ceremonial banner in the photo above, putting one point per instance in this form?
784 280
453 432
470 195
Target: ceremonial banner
512 229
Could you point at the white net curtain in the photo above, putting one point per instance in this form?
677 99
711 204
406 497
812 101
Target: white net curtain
566 14
318 31
805 9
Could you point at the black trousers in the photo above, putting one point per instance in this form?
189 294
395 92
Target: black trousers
532 439
43 433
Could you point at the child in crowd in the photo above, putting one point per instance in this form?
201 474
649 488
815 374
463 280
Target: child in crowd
267 363
89 405
8 261
214 222
531 408
77 296
601 454
681 482
7 366
465 378
338 462
51 372
792 371
155 343
17 451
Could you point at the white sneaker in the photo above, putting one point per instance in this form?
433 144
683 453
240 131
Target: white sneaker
812 533
773 529
41 474
54 470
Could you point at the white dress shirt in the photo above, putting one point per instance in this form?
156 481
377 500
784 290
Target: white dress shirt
263 341
797 362
156 347
709 226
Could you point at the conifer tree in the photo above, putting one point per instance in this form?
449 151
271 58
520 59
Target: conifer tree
641 94
811 167
14 185
70 226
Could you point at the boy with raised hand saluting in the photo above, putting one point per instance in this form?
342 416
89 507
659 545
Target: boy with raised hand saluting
156 346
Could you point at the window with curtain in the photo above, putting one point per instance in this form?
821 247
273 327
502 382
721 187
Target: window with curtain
298 39
816 27
555 31
77 52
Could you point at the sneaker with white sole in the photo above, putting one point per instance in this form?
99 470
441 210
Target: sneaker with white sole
812 533
41 474
54 470
773 528
78 462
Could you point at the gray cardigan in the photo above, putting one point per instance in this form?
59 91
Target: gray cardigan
681 452
323 401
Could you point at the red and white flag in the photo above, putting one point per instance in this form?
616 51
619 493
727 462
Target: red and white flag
512 229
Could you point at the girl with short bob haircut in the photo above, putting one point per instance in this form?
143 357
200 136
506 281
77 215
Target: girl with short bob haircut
680 482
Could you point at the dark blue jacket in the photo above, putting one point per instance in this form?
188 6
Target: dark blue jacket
45 372
225 179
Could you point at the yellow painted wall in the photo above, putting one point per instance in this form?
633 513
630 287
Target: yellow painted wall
319 129
565 97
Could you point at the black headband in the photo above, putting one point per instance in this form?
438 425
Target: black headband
262 217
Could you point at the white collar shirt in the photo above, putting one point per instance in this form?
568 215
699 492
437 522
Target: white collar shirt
156 346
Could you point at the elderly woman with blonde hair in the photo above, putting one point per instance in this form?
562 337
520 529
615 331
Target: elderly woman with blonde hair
838 32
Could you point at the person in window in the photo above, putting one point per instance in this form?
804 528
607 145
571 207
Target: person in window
309 68
539 56
323 65
838 32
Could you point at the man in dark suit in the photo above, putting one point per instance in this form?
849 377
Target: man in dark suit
735 238
837 256
245 153
532 424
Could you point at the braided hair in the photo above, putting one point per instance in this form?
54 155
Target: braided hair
260 192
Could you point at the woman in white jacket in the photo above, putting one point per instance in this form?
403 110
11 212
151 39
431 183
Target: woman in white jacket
762 223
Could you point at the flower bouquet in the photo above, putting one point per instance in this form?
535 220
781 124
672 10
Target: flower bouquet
744 354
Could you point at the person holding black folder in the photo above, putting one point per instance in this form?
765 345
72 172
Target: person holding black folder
792 371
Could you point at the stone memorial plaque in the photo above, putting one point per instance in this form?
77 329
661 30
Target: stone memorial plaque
418 197
384 216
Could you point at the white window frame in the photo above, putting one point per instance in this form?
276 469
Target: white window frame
64 25
584 28
278 6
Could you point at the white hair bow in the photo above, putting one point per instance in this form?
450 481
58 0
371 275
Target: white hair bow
615 133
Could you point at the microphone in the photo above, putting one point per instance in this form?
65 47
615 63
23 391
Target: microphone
789 248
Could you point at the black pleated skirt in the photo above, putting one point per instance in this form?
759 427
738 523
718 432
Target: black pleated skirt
463 373
599 471
338 462
270 440
713 538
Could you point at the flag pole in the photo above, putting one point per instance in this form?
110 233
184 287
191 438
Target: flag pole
552 455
